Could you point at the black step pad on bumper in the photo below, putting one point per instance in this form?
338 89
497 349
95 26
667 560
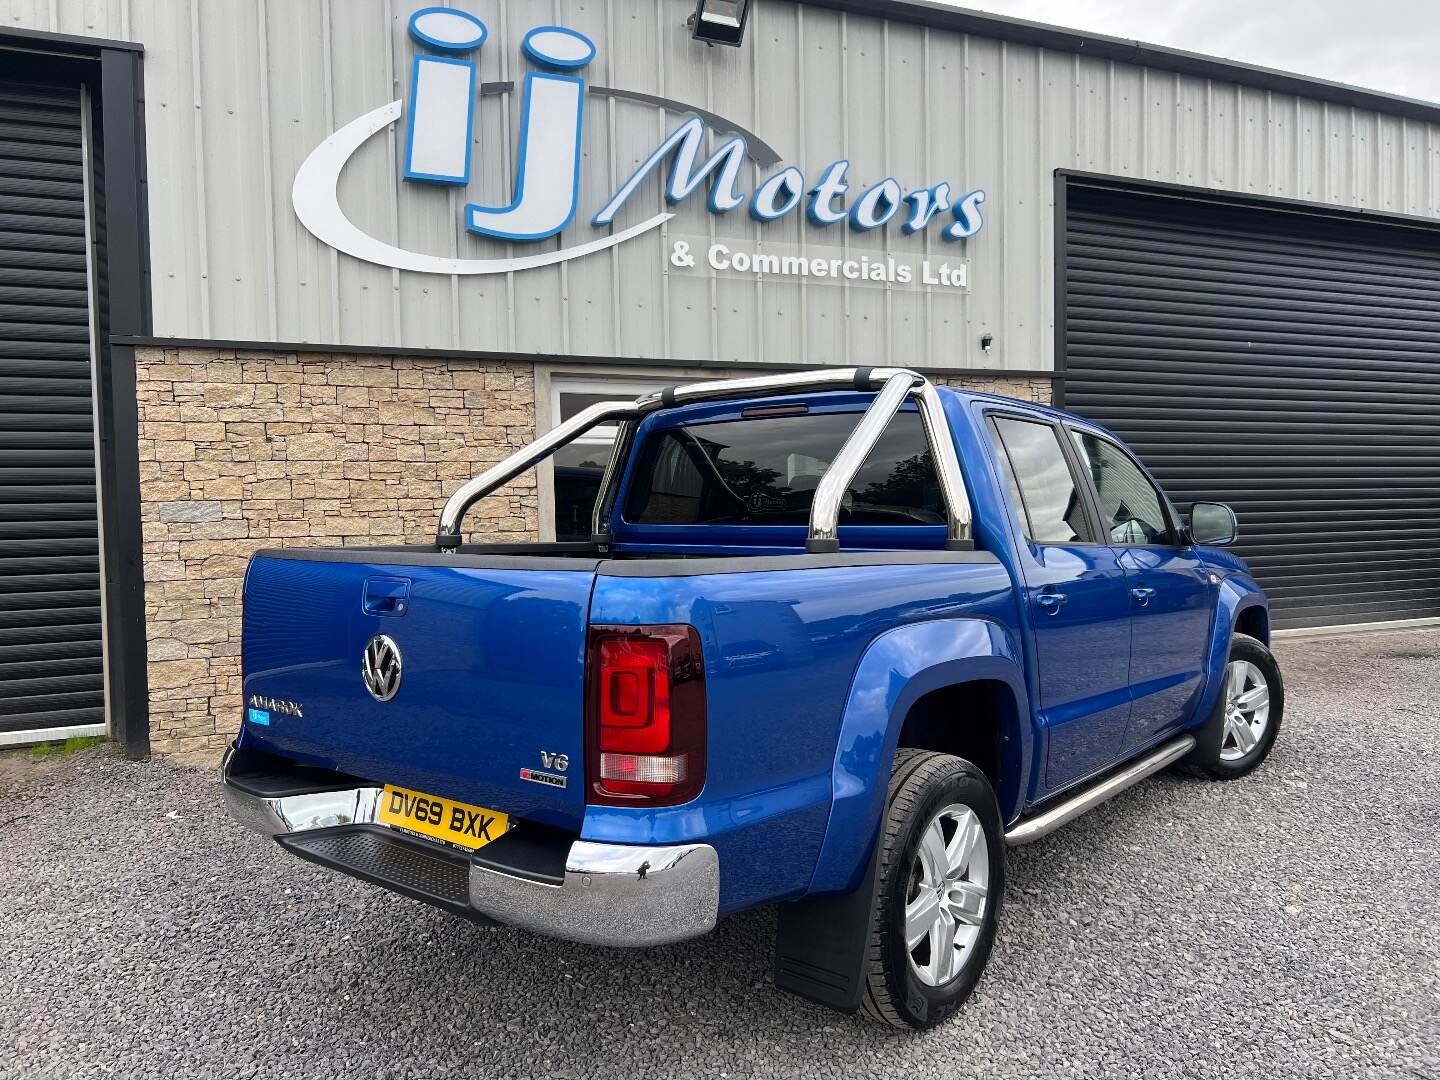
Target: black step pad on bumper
382 856
269 777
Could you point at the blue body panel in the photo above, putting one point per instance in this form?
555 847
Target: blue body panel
1237 593
781 653
899 668
810 669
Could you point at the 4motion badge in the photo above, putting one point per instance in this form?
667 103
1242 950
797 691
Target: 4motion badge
560 762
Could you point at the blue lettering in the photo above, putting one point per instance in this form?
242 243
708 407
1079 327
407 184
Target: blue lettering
877 206
925 203
778 195
551 125
832 185
684 142
442 96
968 221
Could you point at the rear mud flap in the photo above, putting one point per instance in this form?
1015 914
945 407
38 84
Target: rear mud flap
822 941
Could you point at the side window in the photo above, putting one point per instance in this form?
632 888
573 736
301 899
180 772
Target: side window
1041 482
1130 507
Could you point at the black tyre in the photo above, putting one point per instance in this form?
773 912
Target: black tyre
1242 730
940 880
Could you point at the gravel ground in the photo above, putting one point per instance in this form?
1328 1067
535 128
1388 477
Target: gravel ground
1287 924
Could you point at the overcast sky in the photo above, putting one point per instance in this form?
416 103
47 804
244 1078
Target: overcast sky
1389 45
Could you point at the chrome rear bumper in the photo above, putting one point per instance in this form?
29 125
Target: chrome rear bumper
609 894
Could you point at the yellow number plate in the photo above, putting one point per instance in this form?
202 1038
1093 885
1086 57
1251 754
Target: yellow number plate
444 819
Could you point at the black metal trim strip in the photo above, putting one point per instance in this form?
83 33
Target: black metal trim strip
516 557
70 44
427 555
704 565
127 273
1060 290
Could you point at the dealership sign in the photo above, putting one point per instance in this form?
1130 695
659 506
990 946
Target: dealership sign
440 128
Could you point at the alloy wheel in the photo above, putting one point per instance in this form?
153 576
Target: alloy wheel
947 897
1247 710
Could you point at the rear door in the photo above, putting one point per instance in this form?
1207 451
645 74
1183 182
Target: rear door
1171 596
490 673
1078 595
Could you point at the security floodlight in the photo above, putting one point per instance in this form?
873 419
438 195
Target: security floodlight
720 22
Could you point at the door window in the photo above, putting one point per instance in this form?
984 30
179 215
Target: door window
1041 482
1130 507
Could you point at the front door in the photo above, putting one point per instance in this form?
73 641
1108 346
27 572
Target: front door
1078 594
1171 594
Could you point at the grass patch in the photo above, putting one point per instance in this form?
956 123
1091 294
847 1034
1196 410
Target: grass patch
71 745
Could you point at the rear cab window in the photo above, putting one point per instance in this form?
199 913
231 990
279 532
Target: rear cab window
762 471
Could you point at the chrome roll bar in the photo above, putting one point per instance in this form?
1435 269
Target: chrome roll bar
448 537
896 385
830 491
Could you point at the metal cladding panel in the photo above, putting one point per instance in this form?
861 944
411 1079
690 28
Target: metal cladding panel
238 94
51 670
1287 363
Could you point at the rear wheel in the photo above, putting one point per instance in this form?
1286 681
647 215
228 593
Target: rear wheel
941 876
1242 730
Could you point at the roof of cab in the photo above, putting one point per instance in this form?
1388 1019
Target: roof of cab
1047 411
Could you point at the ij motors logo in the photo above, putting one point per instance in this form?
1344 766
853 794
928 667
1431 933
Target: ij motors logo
440 131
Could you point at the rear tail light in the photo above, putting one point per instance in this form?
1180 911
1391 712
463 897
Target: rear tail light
645 715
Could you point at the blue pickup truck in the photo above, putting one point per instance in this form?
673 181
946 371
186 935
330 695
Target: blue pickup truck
837 641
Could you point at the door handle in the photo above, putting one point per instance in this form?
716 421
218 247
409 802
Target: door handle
386 596
1142 594
1051 602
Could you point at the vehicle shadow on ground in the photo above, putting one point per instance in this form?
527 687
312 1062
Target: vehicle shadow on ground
714 996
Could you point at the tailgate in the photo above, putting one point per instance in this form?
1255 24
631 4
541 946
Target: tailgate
491 673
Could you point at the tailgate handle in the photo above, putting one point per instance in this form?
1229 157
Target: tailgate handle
386 596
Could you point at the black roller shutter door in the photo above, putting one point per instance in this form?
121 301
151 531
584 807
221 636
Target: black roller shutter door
50 629
1282 360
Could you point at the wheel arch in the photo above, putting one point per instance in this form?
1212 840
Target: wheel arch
1253 619
910 680
1240 607
935 721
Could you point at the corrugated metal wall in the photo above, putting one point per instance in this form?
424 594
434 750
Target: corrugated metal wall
238 92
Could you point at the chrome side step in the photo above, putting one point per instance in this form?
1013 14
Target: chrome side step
1043 824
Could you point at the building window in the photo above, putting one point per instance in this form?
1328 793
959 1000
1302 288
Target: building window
577 468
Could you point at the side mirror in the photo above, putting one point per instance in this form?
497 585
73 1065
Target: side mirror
1213 524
